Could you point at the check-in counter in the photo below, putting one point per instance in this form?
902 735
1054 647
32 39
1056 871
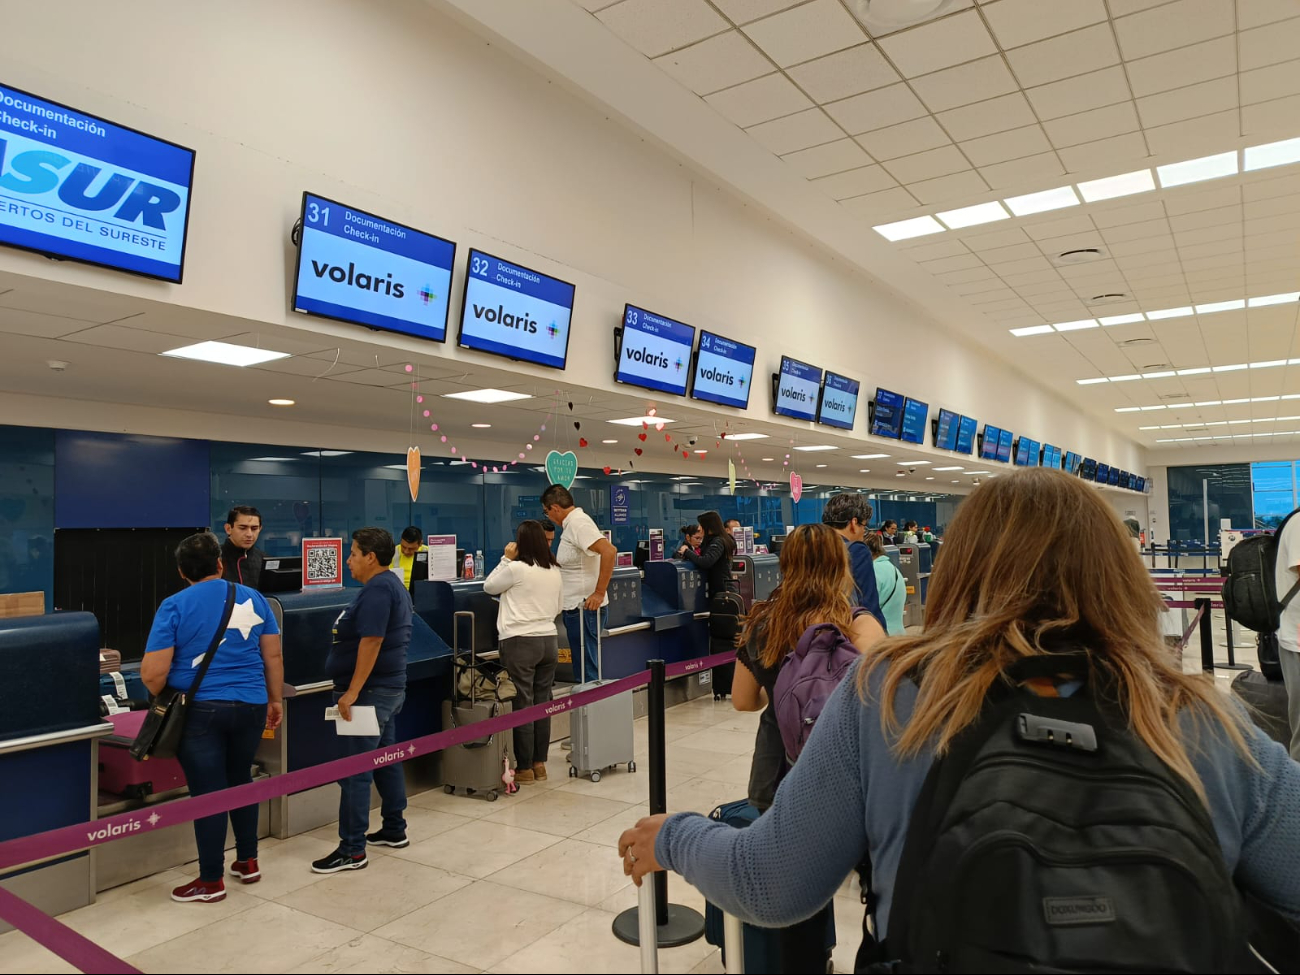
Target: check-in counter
925 555
49 731
909 564
756 575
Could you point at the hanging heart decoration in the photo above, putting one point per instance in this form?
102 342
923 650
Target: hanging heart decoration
577 425
796 487
637 451
659 427
582 441
606 469
668 438
562 468
641 437
413 472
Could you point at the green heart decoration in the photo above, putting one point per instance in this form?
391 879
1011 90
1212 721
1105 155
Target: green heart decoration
562 468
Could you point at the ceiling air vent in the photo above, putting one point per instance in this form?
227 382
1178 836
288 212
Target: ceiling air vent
1141 340
885 16
1080 255
1176 396
1113 298
1196 429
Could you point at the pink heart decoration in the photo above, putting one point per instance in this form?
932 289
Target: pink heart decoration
796 487
659 427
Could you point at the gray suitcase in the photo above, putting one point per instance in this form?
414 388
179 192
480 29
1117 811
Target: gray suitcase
477 767
601 733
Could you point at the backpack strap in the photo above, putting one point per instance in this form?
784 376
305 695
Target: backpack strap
1286 600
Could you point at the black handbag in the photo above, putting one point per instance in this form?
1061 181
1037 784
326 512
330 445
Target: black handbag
160 733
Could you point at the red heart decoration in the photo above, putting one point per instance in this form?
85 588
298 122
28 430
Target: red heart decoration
637 451
644 425
686 455
668 438
607 470
641 437
582 441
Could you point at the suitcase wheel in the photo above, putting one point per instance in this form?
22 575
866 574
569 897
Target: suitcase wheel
631 766
492 796
573 772
449 789
595 776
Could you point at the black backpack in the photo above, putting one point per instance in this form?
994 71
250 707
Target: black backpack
1050 838
1250 589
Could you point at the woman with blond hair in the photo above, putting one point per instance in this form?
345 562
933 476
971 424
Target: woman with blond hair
1040 607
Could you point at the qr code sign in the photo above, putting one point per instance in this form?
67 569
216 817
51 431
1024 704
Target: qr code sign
322 564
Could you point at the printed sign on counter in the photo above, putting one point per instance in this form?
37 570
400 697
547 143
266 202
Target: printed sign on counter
623 560
322 563
442 558
656 544
749 539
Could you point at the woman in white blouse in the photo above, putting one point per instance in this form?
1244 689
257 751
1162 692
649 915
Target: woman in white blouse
528 581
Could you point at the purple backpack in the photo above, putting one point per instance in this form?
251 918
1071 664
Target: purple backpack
808 677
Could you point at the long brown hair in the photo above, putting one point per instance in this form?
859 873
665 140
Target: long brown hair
531 547
815 584
1036 562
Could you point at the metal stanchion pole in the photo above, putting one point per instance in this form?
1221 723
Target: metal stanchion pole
733 940
674 924
1207 636
646 930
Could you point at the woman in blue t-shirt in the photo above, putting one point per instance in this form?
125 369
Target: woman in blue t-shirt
240 695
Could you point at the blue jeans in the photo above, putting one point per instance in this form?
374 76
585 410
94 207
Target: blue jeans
354 800
216 752
593 622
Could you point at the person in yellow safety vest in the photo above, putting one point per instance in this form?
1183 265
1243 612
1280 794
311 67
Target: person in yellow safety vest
409 545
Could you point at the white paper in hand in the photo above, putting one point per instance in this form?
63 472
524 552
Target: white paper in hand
364 720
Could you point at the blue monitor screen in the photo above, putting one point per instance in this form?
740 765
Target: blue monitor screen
887 417
839 401
1071 462
135 217
796 389
1114 477
1103 473
989 444
1051 456
724 371
1141 484
945 431
1005 438
1088 469
655 353
914 414
356 267
1026 452
966 435
513 311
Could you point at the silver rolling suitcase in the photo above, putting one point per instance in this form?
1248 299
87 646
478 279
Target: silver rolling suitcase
601 733
476 768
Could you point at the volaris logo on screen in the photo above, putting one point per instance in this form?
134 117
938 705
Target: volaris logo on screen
646 357
360 279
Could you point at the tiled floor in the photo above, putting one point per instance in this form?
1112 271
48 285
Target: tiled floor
530 883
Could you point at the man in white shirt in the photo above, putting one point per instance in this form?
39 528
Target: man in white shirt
1288 634
586 560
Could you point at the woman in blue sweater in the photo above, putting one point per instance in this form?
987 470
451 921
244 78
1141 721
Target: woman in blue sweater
1058 574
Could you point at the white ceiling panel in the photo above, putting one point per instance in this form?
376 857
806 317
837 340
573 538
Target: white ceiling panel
1218 95
1079 52
1100 123
759 100
973 82
1274 81
946 189
940 44
1268 45
806 32
876 109
845 73
1073 95
1019 22
833 157
1174 25
904 139
1178 68
1018 171
656 27
719 62
985 118
743 11
1254 13
1014 144
856 182
794 132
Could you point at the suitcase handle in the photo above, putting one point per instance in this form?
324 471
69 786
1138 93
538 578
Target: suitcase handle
473 645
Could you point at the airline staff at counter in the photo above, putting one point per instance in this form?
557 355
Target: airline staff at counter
240 555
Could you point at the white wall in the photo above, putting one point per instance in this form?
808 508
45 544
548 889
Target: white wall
396 108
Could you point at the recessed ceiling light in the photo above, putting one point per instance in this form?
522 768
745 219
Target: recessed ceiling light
1125 379
1122 319
1196 170
1182 312
1162 374
865 470
481 426
746 436
1272 154
281 402
701 451
947 468
487 396
870 456
819 446
223 353
1198 371
1282 299
1110 187
1032 330
821 465
1054 199
636 421
326 453
1076 325
913 463
609 441
973 216
1128 409
1092 382
769 458
906 229
1235 367
1080 255
1211 307
929 478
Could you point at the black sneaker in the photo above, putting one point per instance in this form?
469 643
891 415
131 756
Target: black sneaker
338 860
388 837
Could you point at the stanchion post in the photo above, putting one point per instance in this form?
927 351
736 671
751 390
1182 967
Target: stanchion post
646 930
1207 635
733 940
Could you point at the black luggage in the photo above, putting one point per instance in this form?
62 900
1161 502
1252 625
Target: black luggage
725 610
1266 701
479 767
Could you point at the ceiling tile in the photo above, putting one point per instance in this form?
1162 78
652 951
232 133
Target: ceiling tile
1134 231
833 157
998 238
927 165
1217 217
1128 212
1073 95
845 73
1032 277
1141 245
719 62
856 182
1269 45
1253 13
1077 223
1016 172
743 11
962 85
1079 52
759 100
656 27
1065 242
1018 22
985 118
594 5
939 44
946 189
1106 154
1016 252
932 252
1275 117
966 277
1024 265
1265 189
1015 144
1205 98
1201 235
1173 25
1206 197
1100 123
1186 66
876 109
806 32
883 204
905 139
1274 81
1122 8
961 262
1204 134
18 321
795 132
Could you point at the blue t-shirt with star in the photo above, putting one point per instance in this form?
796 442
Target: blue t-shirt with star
187 622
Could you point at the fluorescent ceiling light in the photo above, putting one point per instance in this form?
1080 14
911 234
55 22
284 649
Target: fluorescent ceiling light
913 463
488 395
821 465
1182 312
1268 365
1196 170
1235 367
636 421
609 441
326 453
481 426
1128 409
870 456
1125 379
746 436
1092 382
223 353
1032 330
1198 371
947 468
906 229
1055 199
819 446
865 470
1109 187
1122 319
1075 325
1211 307
1148 409
1157 375
701 451
281 402
1272 154
282 459
1283 299
769 458
973 216
929 478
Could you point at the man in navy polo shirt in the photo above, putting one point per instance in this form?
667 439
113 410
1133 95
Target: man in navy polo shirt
850 514
368 665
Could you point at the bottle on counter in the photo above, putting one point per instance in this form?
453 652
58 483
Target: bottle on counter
478 563
467 569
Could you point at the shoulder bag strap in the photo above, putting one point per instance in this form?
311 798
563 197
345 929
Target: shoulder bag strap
216 639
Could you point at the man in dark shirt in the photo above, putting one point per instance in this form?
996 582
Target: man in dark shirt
368 665
240 555
850 514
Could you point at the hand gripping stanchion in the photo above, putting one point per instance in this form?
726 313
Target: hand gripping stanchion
675 925
733 942
645 912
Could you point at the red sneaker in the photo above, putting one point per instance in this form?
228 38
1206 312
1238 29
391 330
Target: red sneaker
246 870
200 890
